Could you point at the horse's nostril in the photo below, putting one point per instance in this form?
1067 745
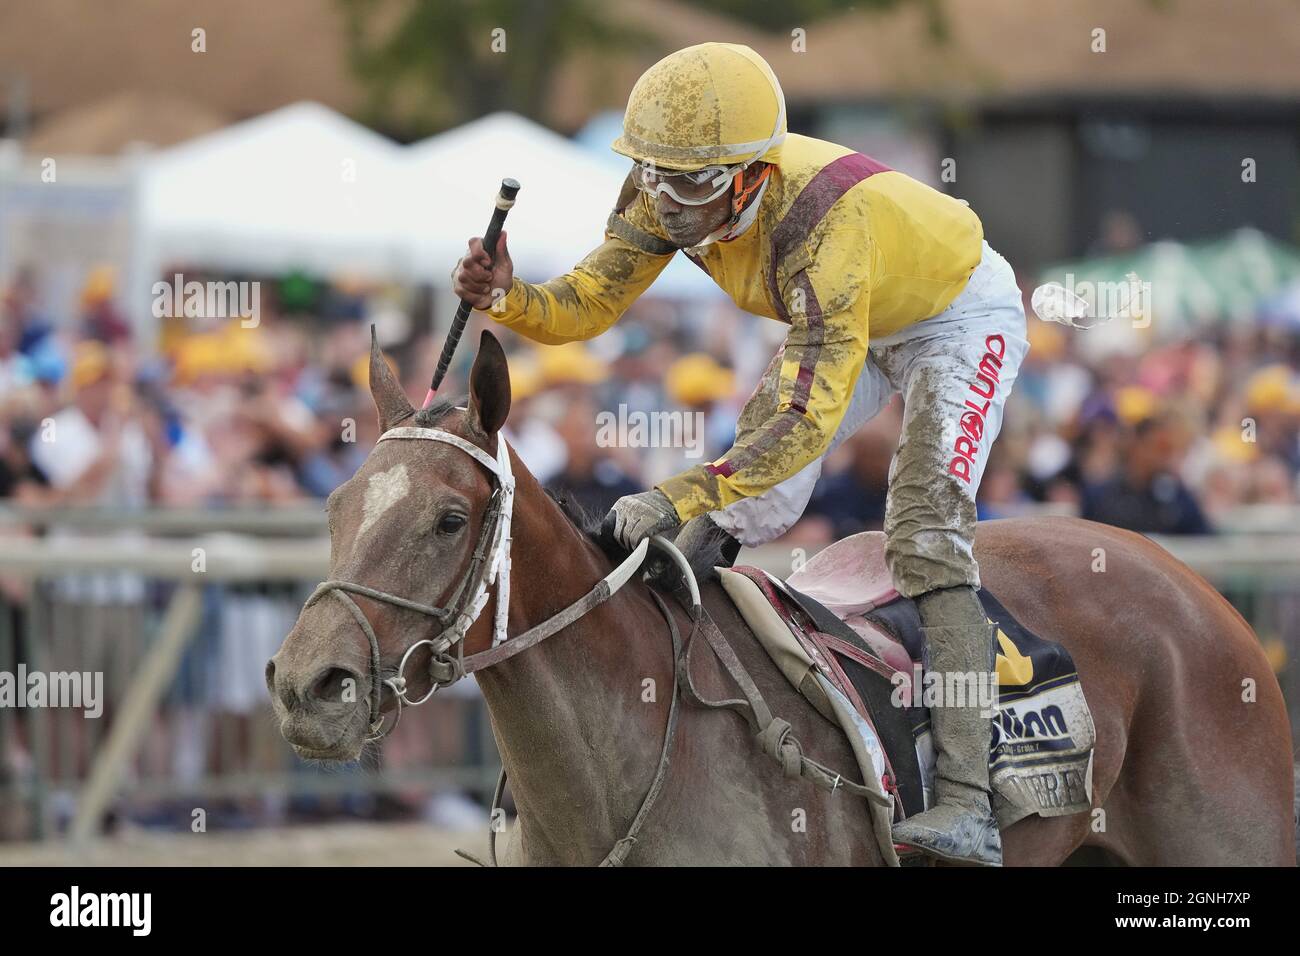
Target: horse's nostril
270 677
336 685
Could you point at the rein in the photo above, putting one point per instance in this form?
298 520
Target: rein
490 565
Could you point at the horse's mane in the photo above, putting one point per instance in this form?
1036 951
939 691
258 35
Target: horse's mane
440 409
588 522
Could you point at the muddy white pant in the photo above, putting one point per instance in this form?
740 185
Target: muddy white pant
954 371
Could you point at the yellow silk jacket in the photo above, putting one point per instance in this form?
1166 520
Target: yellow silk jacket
842 249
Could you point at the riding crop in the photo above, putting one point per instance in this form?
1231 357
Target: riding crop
505 199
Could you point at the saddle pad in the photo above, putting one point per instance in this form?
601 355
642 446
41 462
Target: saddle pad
1040 757
877 679
795 661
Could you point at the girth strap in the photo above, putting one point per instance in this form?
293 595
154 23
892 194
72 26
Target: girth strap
774 734
619 853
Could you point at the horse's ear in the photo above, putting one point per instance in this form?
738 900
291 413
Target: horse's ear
390 401
489 386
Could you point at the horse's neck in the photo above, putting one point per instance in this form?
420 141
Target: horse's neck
563 713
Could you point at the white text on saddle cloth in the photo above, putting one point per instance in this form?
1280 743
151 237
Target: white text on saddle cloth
971 425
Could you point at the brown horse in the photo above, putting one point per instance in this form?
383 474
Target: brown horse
1193 761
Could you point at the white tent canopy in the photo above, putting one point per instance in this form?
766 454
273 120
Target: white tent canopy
300 187
562 206
305 187
566 197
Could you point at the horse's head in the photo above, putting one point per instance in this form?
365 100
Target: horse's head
405 526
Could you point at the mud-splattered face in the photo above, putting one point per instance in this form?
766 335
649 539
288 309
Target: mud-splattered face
687 225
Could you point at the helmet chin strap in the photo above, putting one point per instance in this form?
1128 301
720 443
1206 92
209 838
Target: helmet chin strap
744 211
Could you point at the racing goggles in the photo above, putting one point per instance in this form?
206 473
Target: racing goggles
694 188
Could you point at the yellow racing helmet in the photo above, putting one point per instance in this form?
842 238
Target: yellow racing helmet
714 104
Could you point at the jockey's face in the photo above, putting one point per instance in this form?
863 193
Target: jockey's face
687 225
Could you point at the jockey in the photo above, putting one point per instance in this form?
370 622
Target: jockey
886 286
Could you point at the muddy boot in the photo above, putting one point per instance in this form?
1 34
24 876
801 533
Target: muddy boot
960 827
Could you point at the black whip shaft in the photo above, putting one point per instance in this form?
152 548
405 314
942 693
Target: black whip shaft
505 199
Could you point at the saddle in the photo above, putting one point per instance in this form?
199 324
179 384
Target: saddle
838 627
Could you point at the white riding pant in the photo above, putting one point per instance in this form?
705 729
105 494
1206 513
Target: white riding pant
954 371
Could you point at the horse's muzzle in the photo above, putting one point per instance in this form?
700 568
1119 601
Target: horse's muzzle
322 713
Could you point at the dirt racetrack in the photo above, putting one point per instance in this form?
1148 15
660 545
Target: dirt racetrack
344 844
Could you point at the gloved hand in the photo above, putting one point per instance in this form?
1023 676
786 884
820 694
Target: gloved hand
634 517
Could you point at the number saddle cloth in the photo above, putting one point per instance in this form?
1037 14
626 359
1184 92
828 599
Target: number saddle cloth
852 645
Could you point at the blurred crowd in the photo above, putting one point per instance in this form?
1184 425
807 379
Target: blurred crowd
219 415
1170 440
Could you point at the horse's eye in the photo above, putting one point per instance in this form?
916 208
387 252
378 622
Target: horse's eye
450 524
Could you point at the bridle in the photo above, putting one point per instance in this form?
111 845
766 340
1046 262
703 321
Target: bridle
489 565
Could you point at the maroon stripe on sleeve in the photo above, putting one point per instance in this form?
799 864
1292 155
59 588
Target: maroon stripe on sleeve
812 350
802 389
765 439
774 291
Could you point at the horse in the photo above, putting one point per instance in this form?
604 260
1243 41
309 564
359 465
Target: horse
1192 765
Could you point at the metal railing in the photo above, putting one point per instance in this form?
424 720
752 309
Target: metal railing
180 631
197 611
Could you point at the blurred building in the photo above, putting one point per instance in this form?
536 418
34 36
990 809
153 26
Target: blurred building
1066 139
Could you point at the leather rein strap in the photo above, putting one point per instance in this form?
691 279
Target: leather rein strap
491 564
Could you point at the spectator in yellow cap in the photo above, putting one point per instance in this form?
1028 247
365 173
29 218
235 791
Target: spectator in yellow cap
101 319
697 380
